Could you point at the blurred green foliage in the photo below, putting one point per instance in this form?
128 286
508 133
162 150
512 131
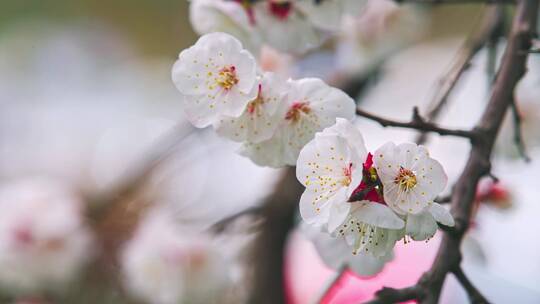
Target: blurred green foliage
156 27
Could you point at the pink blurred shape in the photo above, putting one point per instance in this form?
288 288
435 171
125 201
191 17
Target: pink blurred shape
306 277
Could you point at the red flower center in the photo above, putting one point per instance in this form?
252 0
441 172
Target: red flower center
370 187
280 9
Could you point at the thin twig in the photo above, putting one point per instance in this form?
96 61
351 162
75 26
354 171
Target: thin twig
518 135
222 225
443 199
486 32
390 295
417 123
332 284
136 177
474 295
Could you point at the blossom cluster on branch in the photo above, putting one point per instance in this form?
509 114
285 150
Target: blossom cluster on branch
274 118
370 200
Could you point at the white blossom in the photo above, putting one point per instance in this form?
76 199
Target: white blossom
328 14
263 114
382 28
411 179
164 265
331 169
312 105
216 77
43 239
284 27
208 16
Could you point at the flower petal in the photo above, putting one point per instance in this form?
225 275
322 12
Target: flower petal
420 226
441 215
376 214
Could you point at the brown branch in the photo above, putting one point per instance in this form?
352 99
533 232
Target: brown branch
223 224
491 24
136 177
474 295
512 69
278 212
518 136
417 123
391 295
332 284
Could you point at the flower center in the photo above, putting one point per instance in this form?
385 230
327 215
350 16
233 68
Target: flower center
255 103
227 77
405 179
296 111
280 9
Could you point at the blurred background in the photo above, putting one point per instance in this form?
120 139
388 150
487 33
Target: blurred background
110 196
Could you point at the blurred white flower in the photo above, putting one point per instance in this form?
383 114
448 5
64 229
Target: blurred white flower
284 27
312 105
163 265
208 16
411 179
383 28
263 114
216 77
336 253
43 238
328 14
272 60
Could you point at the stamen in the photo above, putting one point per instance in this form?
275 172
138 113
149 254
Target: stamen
227 77
406 179
296 110
347 172
255 103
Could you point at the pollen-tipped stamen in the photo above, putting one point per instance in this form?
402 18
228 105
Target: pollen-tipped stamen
226 77
406 179
296 111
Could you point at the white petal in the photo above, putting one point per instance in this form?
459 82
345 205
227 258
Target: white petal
322 161
308 209
432 177
346 129
376 214
293 34
269 153
335 252
258 123
338 214
367 264
324 209
441 215
384 160
421 226
402 201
